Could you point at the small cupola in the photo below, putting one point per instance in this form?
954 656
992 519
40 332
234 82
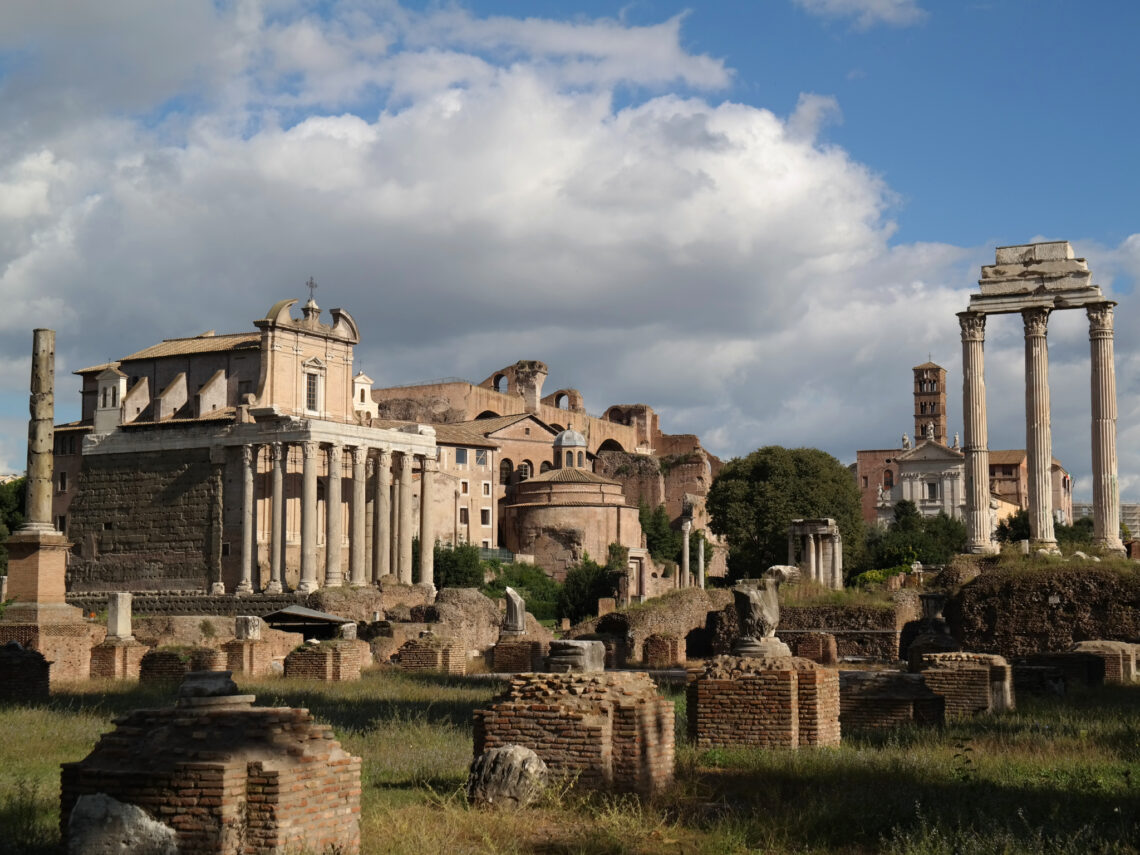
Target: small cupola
570 450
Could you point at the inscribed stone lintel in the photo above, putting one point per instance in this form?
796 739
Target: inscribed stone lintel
999 304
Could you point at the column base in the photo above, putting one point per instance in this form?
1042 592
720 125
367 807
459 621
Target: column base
243 588
334 583
1110 547
982 548
273 588
307 587
1049 546
217 588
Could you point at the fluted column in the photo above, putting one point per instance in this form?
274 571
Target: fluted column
686 528
334 525
837 561
1038 435
407 530
279 454
809 548
382 520
1106 488
357 535
427 530
976 433
701 563
309 451
248 465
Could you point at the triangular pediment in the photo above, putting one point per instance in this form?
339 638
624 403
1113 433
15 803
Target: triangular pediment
314 362
930 450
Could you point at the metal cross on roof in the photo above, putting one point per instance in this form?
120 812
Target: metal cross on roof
312 286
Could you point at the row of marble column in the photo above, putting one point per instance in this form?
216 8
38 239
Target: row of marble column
822 556
1038 437
393 523
686 580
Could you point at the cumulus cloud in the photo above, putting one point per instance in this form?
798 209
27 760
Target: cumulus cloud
867 13
476 191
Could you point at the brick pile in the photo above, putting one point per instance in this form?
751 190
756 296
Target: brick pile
661 650
971 683
117 659
227 777
24 674
331 661
171 664
609 731
782 702
512 656
819 647
432 653
887 699
1119 658
253 658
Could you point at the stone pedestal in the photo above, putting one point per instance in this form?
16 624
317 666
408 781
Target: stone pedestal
760 648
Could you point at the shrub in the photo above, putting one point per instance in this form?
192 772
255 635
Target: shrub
532 583
585 584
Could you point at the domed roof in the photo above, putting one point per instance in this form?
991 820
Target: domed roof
570 438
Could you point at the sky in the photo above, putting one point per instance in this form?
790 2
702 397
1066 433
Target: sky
754 217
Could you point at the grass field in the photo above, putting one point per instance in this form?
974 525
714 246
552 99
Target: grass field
1057 776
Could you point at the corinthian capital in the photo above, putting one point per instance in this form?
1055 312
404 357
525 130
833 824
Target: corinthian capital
1100 317
1036 320
973 326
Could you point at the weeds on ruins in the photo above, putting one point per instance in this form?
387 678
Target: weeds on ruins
1056 776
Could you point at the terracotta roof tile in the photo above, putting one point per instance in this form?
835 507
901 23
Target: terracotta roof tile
199 344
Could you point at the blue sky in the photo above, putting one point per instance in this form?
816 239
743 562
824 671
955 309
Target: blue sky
755 217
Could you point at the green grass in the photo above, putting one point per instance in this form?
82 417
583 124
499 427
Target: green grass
1057 776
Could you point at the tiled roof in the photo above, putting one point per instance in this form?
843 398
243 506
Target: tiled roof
445 434
199 344
568 476
221 414
486 426
103 366
1012 456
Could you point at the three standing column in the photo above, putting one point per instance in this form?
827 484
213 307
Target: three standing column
248 465
1038 435
382 517
358 554
975 446
427 530
1106 489
406 528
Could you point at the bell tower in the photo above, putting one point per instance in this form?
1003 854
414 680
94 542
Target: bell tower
929 402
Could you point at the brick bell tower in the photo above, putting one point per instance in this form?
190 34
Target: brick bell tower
929 401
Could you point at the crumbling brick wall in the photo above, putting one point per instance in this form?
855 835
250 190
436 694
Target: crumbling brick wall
229 779
330 661
24 674
249 657
432 653
117 660
887 699
609 731
170 664
513 656
819 647
784 702
661 650
971 683
67 646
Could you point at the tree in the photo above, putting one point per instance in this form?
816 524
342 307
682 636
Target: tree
755 498
663 543
531 583
911 537
585 583
458 567
13 496
1013 528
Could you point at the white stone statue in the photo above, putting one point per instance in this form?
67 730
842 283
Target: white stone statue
957 442
882 494
905 441
930 430
516 612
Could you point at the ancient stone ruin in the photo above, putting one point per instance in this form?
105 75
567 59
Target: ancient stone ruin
332 661
432 653
508 776
971 683
226 776
24 674
887 699
604 730
120 655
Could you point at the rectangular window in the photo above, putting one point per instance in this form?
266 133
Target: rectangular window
464 489
932 490
463 516
312 400
481 457
61 523
485 516
461 457
486 488
62 482
486 543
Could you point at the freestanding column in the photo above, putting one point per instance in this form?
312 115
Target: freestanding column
686 528
812 560
1106 489
427 531
837 561
358 552
792 547
41 433
280 454
975 448
309 451
382 522
334 526
248 465
1038 436
701 563
406 524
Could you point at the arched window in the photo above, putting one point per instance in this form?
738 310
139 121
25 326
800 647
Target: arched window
888 479
569 459
525 470
500 383
581 459
545 467
105 390
362 395
114 396
505 470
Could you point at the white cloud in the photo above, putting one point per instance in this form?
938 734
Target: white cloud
867 13
468 189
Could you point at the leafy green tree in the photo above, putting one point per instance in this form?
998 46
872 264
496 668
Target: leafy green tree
458 567
754 499
911 537
1013 528
662 541
533 585
585 583
13 496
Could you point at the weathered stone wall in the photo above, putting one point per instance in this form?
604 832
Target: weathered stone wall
611 731
662 651
249 780
117 659
170 665
819 647
1020 613
887 699
768 703
639 475
144 522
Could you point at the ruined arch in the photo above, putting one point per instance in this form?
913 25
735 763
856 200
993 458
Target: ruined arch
610 445
487 414
500 383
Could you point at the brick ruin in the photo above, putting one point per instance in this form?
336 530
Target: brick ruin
172 664
512 656
819 647
1119 658
782 702
971 683
330 661
24 674
608 730
887 699
432 653
227 776
662 650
